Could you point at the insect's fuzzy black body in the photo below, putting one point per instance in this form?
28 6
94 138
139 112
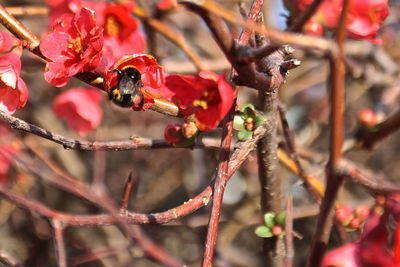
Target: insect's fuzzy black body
127 93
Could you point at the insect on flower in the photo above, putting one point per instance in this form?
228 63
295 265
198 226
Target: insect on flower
127 93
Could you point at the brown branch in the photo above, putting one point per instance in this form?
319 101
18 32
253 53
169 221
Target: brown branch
305 16
59 245
276 36
127 193
367 137
27 10
68 143
375 183
289 137
334 180
172 35
19 30
221 179
238 157
289 255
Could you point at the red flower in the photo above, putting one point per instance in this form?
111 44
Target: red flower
75 45
80 108
7 42
150 80
13 90
121 34
208 96
364 18
371 250
167 4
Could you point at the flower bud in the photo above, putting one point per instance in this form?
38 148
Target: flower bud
361 213
277 230
367 117
173 134
344 215
189 129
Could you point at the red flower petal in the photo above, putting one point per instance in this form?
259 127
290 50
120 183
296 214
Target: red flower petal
80 108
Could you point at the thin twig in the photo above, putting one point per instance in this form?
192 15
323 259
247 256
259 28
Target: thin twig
289 255
368 137
334 180
289 137
238 157
68 143
127 193
59 244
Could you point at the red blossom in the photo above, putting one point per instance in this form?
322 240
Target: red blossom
167 4
364 18
173 134
13 90
371 250
75 45
121 30
344 215
152 77
208 96
80 108
7 42
367 117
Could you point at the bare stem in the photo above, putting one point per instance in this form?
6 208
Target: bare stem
334 180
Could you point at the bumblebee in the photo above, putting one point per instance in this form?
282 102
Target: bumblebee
128 93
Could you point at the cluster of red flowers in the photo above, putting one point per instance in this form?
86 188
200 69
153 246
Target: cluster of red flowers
364 18
13 91
105 38
373 247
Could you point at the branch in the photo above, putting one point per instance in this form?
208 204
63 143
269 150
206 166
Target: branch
68 143
59 245
334 180
238 157
368 137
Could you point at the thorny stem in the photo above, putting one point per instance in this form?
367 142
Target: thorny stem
334 179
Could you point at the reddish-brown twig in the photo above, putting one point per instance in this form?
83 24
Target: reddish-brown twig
334 180
368 137
289 254
58 229
68 143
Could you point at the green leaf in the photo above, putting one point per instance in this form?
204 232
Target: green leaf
259 121
269 219
244 135
281 218
245 106
238 123
263 231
